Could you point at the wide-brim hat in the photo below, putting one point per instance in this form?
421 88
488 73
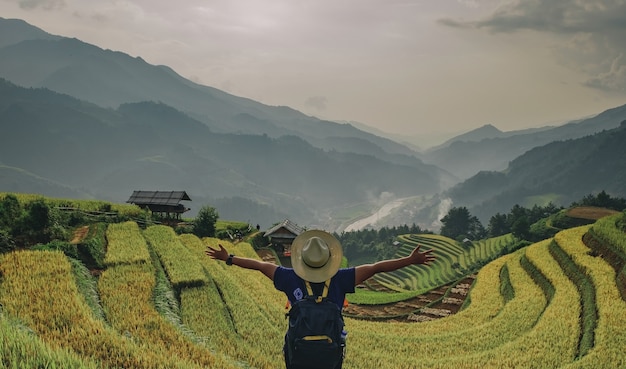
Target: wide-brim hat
316 255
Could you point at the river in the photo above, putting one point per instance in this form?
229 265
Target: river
373 219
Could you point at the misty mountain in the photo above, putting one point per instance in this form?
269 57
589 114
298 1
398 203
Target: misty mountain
77 148
109 79
562 172
13 31
487 131
475 135
466 157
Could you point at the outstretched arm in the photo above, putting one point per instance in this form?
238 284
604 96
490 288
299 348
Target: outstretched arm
364 272
264 267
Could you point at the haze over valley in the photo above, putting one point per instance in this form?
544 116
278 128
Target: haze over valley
79 121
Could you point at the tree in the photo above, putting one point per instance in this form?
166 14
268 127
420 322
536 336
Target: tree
38 220
521 228
6 241
204 224
477 230
498 225
517 212
459 222
10 211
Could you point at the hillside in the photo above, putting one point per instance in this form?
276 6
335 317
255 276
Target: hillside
13 31
466 155
561 299
561 172
107 154
109 78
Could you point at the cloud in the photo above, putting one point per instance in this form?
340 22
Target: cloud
456 23
612 79
469 3
444 207
43 4
559 16
590 34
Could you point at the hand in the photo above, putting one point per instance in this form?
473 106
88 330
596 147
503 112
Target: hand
425 257
220 254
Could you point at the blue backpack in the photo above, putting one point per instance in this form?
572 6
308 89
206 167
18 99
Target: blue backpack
314 337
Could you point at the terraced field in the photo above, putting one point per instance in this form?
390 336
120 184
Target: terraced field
161 303
454 261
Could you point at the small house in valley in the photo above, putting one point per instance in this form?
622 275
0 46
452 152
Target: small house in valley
164 203
282 235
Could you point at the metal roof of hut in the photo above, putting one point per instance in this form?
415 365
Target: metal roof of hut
158 197
160 201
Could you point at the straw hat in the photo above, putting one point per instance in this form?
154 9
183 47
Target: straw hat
316 255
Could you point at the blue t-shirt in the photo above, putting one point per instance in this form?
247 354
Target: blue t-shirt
287 281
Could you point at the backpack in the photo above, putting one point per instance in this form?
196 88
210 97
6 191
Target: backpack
314 337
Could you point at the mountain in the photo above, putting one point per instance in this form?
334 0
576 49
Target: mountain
418 142
91 151
13 31
485 132
475 135
562 172
109 79
466 157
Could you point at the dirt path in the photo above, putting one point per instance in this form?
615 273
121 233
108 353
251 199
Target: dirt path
590 212
428 306
79 235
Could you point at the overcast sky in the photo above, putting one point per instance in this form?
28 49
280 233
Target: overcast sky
403 66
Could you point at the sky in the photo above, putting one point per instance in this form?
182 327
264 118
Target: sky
408 67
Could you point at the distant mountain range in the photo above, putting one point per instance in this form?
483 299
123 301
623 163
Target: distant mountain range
80 121
489 149
561 171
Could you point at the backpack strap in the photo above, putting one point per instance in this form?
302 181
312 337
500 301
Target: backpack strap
318 299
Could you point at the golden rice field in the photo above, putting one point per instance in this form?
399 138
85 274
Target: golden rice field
164 304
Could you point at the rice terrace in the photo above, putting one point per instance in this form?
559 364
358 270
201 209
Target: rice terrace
123 292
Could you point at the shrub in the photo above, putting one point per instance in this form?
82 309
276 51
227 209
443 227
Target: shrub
184 228
67 248
563 221
259 242
541 231
7 243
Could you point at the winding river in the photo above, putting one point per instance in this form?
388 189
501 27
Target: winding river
373 219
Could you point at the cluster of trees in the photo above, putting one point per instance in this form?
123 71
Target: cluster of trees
603 200
32 223
368 245
460 224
